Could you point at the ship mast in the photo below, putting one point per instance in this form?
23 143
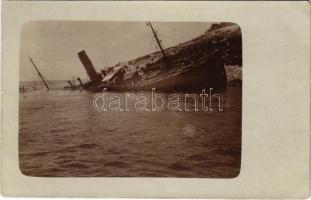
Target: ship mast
40 75
158 42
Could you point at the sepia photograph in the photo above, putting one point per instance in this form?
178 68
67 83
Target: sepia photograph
130 99
155 99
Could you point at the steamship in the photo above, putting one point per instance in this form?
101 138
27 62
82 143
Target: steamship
193 65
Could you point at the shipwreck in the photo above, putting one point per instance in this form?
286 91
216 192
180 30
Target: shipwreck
194 65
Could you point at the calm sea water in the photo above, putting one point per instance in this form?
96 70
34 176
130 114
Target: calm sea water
61 134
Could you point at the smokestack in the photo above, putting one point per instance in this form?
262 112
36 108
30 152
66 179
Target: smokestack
93 75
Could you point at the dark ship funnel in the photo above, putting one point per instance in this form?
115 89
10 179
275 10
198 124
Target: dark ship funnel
91 72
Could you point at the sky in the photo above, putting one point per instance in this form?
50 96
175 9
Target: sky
53 45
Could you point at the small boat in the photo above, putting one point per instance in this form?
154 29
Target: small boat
72 84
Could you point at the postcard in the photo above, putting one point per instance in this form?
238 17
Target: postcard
155 99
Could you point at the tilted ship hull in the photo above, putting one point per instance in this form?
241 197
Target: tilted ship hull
194 65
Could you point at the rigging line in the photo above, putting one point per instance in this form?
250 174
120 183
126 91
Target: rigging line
38 82
155 47
151 45
159 44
